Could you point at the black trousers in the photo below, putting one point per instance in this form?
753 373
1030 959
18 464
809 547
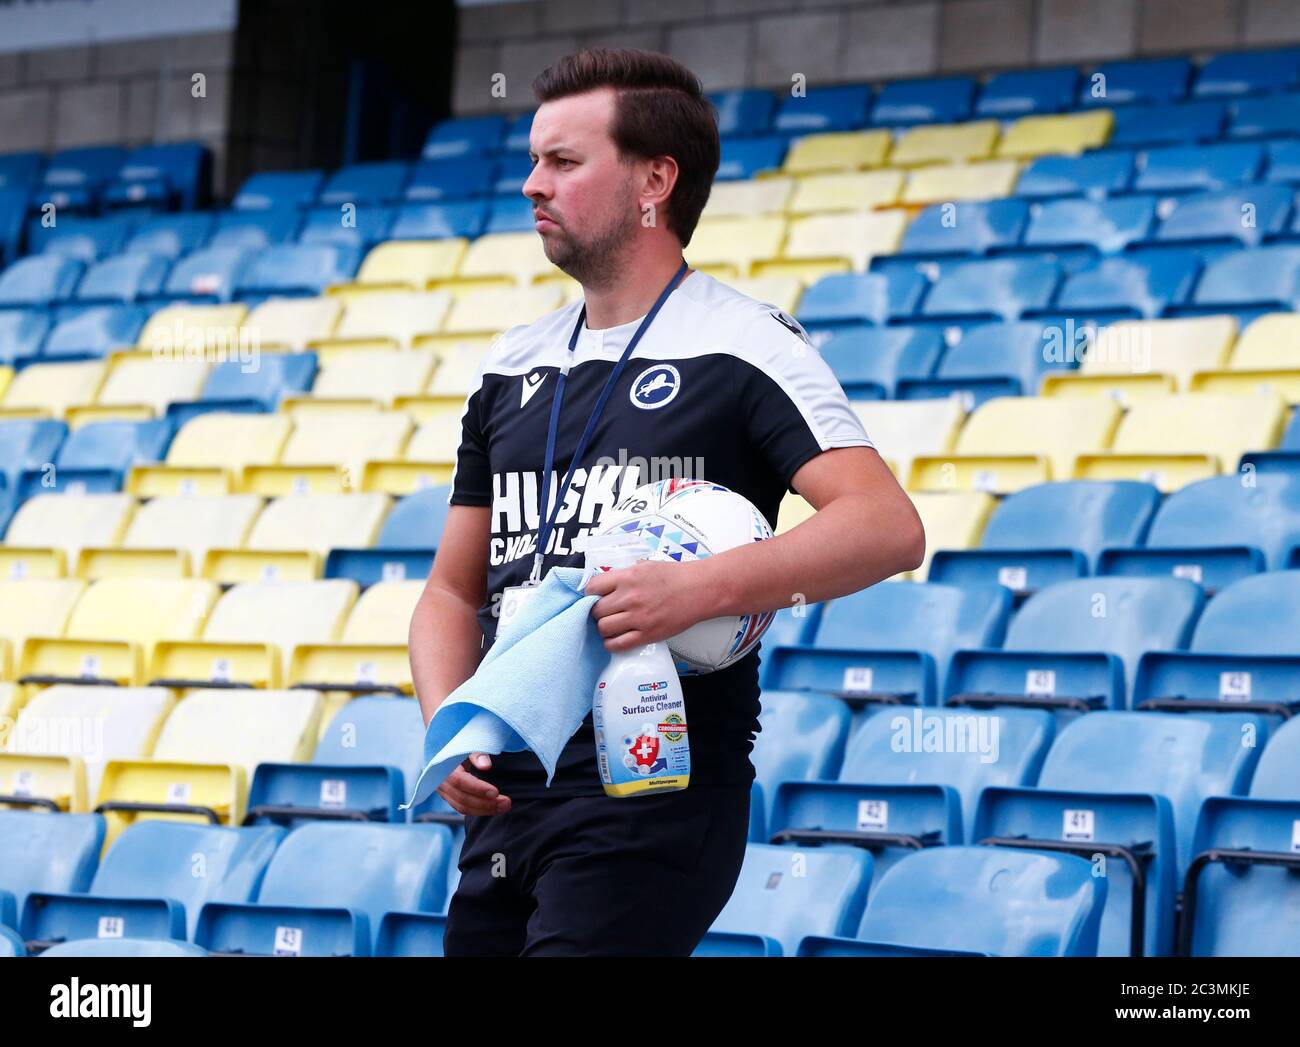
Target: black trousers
598 876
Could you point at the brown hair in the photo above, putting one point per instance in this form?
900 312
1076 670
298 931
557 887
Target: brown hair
659 110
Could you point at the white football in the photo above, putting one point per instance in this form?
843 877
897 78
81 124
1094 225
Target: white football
681 519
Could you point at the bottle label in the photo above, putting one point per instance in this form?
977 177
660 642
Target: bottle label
642 743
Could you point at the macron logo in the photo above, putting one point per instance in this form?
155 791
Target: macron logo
101 1001
532 382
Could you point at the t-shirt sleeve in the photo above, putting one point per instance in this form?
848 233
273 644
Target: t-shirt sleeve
793 406
471 477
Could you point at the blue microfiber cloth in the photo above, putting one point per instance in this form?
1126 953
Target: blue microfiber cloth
531 691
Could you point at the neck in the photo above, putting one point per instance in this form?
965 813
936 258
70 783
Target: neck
631 296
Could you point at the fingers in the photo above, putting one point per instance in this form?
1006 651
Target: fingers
613 624
628 641
469 794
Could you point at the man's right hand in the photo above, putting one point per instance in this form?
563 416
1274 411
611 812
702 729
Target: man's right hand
469 794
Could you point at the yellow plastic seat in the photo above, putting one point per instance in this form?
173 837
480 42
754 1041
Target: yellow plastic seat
209 453
1175 440
781 292
1011 442
491 310
36 607
945 144
63 737
291 323
373 374
793 511
727 247
6 376
1264 357
429 459
903 429
139 379
372 654
952 520
251 632
837 151
458 366
326 452
835 242
293 535
386 320
49 530
503 259
747 197
853 191
952 182
1070 133
50 389
207 332
406 265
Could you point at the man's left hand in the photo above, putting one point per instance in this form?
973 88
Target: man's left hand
646 603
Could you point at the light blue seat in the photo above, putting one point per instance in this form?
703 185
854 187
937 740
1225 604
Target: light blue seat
945 231
783 895
439 221
95 331
360 227
893 640
208 275
42 851
1129 787
990 360
1247 283
13 214
146 886
129 947
791 626
991 289
1283 161
869 362
981 901
39 280
802 739
1249 72
1076 231
518 133
11 943
369 183
233 386
510 214
96 456
746 157
912 778
406 543
1244 655
74 179
841 300
743 112
513 170
327 887
22 333
1192 168
433 181
1269 116
411 934
1091 174
28 443
254 229
1145 81
86 239
823 109
20 169
123 278
297 270
276 190
1177 123
1242 879
1074 646
943 100
1049 533
1025 92
176 176
464 136
1219 217
1137 286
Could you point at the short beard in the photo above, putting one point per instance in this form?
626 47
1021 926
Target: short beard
600 262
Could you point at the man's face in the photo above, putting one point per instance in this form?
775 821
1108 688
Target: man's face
583 196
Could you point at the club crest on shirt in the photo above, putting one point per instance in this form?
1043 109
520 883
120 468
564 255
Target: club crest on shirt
655 387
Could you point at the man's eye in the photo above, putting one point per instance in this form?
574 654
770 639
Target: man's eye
563 160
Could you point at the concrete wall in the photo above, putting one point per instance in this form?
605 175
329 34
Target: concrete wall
736 43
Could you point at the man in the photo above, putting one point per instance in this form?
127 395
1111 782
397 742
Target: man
625 148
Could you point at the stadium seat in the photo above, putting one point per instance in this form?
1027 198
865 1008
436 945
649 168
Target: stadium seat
911 428
405 546
49 389
123 278
35 607
1077 231
1283 161
746 157
253 230
296 269
207 275
839 191
327 888
386 320
959 229
870 362
40 853
124 947
990 360
1248 283
802 739
1261 357
433 181
406 265
27 444
992 289
20 169
464 137
271 190
1184 169
839 301
96 456
838 108
1176 123
502 257
51 529
1020 92
22 333
291 324
1049 533
946 183
74 179
730 246
952 520
833 151
39 280
209 452
87 239
1248 72
162 178
945 144
1140 286
1124 83
347 225
369 183
375 375
1069 133
756 196
171 235
742 112
13 210
1091 174
936 101
1265 117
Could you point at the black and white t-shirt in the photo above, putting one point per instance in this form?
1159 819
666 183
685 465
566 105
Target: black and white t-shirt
721 387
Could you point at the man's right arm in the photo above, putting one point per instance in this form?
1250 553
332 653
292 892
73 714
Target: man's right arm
446 641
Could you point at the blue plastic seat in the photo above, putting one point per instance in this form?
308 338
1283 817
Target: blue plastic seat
40 851
74 179
894 639
361 227
1076 231
39 280
406 544
369 183
1219 217
1124 83
1092 174
513 170
944 100
297 269
991 289
790 627
123 278
26 443
96 456
1244 655
801 738
464 136
775 905
22 332
327 887
1178 123
1270 116
978 901
146 886
870 362
1050 533
1248 283
518 133
11 945
1074 646
209 275
95 331
1185 169
162 177
13 214
253 230
439 221
965 228
510 214
232 386
1249 72
991 360
743 112
433 181
1140 286
746 157
20 169
1283 161
842 300
821 109
125 947
277 190
1025 92
86 239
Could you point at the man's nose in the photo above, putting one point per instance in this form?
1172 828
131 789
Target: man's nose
535 184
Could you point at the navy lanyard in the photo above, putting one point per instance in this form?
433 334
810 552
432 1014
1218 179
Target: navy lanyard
548 519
